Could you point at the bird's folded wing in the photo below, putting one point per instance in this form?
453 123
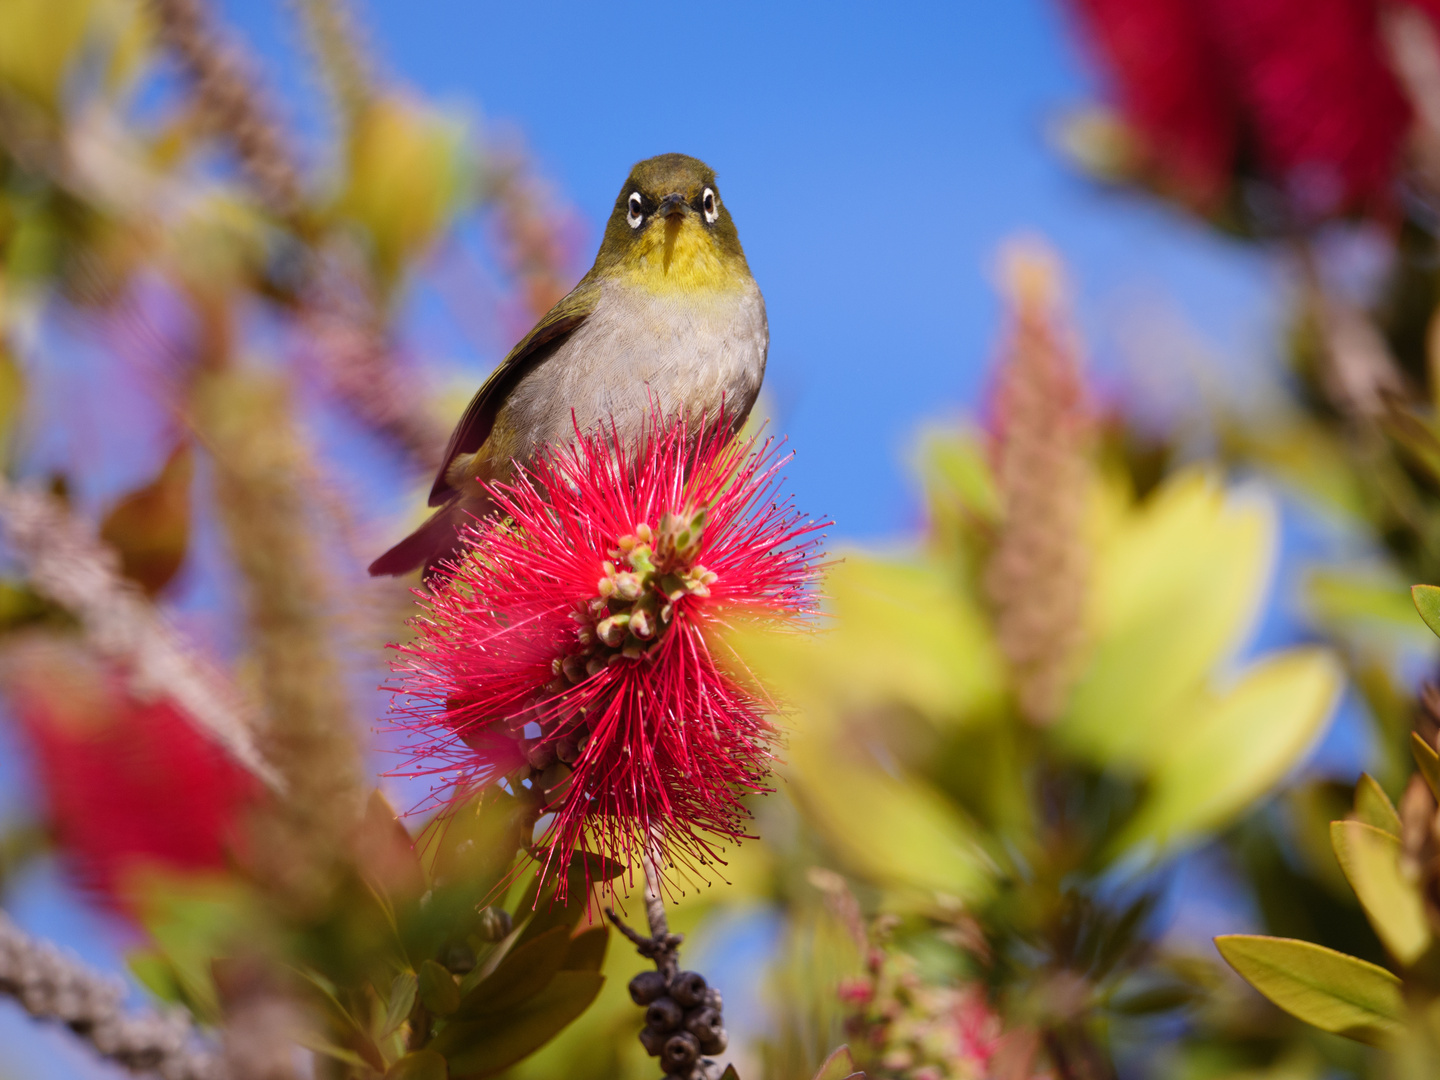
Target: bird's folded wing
541 342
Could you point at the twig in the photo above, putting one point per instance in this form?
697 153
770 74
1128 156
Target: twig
52 986
68 565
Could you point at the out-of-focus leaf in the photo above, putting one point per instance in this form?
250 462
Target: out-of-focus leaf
1230 750
895 831
310 1041
957 477
1309 458
523 973
838 1066
1328 989
587 950
1417 436
730 1073
903 632
484 1047
38 41
1175 588
1374 808
154 972
386 853
437 989
418 1065
193 921
400 1002
1371 861
12 394
1427 602
150 527
1427 761
1367 605
407 172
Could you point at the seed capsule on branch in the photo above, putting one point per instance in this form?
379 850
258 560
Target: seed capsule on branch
572 650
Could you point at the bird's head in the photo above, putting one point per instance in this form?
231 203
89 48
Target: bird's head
670 232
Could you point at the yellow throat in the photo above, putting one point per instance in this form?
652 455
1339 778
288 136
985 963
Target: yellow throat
677 255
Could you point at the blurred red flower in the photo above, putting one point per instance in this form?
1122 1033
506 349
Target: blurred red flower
572 651
129 786
1298 91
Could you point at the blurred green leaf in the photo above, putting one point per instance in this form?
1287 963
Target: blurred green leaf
1374 808
418 1065
1371 861
959 487
1328 989
484 1047
193 921
904 631
838 1066
12 396
1427 761
311 1041
1176 585
1427 602
1368 605
437 989
895 831
1233 748
523 973
150 527
152 971
400 1002
587 950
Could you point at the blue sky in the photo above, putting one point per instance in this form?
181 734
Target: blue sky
873 156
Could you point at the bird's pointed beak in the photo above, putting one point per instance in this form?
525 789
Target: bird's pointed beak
673 206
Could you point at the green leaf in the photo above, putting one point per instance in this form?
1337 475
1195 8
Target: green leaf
1374 808
1364 604
402 1000
310 1041
1371 861
904 631
523 973
1232 749
1427 761
1328 989
587 950
895 831
1176 585
150 527
487 1046
437 989
153 971
730 1073
418 1065
1427 603
838 1066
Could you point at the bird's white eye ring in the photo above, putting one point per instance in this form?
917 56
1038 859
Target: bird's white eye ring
710 205
636 214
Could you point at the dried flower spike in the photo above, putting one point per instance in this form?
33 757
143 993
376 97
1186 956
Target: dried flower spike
572 650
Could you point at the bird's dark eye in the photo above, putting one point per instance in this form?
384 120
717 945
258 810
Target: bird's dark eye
636 214
710 205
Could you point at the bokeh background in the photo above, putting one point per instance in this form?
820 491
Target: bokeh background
877 161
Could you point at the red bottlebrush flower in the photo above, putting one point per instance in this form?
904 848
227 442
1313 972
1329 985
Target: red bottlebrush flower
1171 85
129 785
572 650
1298 90
1325 111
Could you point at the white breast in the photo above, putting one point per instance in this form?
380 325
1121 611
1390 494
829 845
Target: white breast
682 353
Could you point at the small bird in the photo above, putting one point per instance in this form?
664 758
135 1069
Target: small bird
669 318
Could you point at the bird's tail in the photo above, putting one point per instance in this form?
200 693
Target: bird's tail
432 543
